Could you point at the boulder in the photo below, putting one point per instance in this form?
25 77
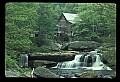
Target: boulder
41 72
64 46
55 46
86 75
44 63
83 45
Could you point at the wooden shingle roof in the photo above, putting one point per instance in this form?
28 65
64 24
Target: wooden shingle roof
70 17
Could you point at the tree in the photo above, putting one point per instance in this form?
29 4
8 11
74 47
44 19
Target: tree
19 23
99 18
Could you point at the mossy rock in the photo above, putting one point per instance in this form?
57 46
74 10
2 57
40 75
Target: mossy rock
83 45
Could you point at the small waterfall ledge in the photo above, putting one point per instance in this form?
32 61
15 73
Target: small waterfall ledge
89 61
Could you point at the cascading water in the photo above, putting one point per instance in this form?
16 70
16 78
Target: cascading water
82 63
70 64
88 61
98 61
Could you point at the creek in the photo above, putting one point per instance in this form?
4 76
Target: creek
81 64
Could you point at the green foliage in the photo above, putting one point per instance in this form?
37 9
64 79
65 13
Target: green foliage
44 49
21 19
109 53
11 59
95 37
84 32
12 53
98 24
10 63
41 49
98 17
17 27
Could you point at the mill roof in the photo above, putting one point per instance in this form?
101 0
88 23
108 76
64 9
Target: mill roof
70 17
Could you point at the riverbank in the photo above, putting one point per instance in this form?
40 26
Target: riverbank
64 53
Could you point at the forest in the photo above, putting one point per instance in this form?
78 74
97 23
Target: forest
22 19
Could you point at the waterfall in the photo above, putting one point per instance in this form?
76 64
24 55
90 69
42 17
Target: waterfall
91 60
70 64
77 58
85 61
23 60
98 62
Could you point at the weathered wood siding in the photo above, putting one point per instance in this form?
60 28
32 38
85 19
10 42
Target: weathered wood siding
64 26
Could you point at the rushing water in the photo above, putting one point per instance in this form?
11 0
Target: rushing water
91 60
82 63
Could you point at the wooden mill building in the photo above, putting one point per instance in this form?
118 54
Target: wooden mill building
64 27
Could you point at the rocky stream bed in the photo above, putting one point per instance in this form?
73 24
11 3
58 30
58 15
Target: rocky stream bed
42 64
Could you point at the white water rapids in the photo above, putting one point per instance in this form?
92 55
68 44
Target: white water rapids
90 61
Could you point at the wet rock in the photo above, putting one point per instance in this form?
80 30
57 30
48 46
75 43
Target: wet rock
43 63
113 74
77 74
41 72
62 77
74 77
107 76
86 75
38 63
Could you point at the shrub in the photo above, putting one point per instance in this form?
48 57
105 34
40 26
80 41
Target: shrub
109 54
13 64
10 63
42 49
95 37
